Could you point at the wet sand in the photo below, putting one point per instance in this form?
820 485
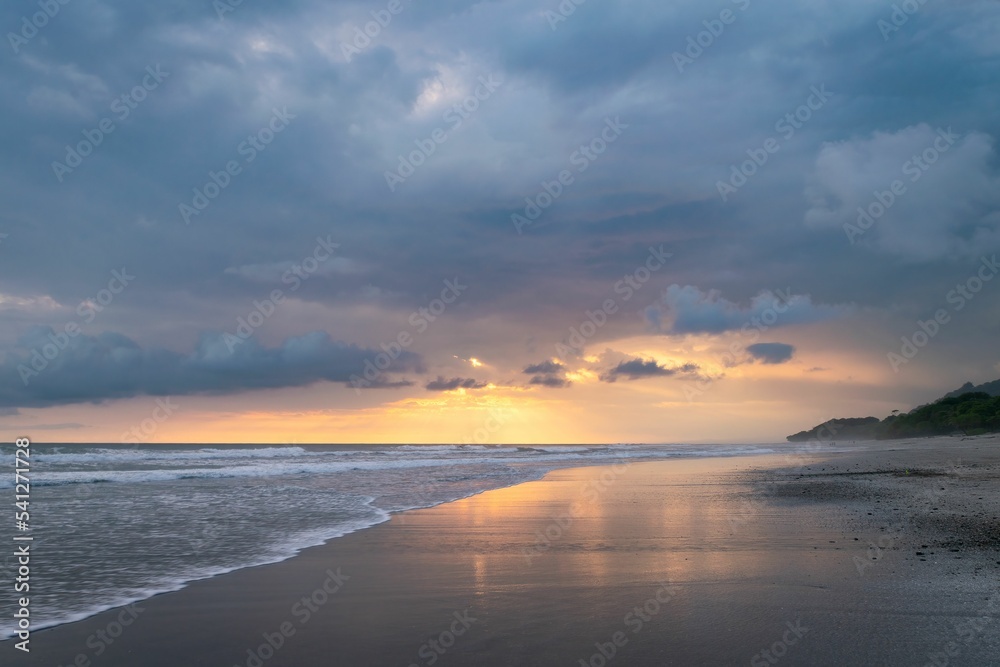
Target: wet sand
733 561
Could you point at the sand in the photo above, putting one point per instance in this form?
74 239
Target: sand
886 556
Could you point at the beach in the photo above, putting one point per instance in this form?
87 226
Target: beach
884 555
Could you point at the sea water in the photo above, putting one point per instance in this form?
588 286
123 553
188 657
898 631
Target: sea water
115 524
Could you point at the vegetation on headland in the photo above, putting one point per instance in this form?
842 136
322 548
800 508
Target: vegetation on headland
991 388
967 411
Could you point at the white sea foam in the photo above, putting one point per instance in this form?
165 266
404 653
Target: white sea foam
183 513
134 466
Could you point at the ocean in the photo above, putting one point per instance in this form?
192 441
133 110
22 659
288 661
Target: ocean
116 524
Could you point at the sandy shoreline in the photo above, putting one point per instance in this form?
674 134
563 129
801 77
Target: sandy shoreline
886 556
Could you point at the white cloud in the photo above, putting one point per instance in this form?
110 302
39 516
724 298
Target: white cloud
38 303
946 199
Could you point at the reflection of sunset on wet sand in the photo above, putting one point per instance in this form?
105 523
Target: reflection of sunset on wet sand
689 560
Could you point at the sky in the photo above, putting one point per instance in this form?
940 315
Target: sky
519 221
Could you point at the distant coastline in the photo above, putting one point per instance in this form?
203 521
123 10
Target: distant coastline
969 410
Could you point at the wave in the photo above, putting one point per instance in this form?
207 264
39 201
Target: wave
441 473
282 461
175 583
134 455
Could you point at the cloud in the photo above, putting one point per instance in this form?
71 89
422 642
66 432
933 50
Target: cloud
550 381
29 304
548 373
771 353
694 311
324 175
286 271
637 369
441 384
946 197
547 367
111 366
382 382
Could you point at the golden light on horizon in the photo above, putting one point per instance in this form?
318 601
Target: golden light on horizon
773 399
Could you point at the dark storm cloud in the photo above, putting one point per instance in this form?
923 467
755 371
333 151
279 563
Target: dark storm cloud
657 184
637 369
109 366
693 311
549 381
544 368
547 373
382 382
771 353
441 384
